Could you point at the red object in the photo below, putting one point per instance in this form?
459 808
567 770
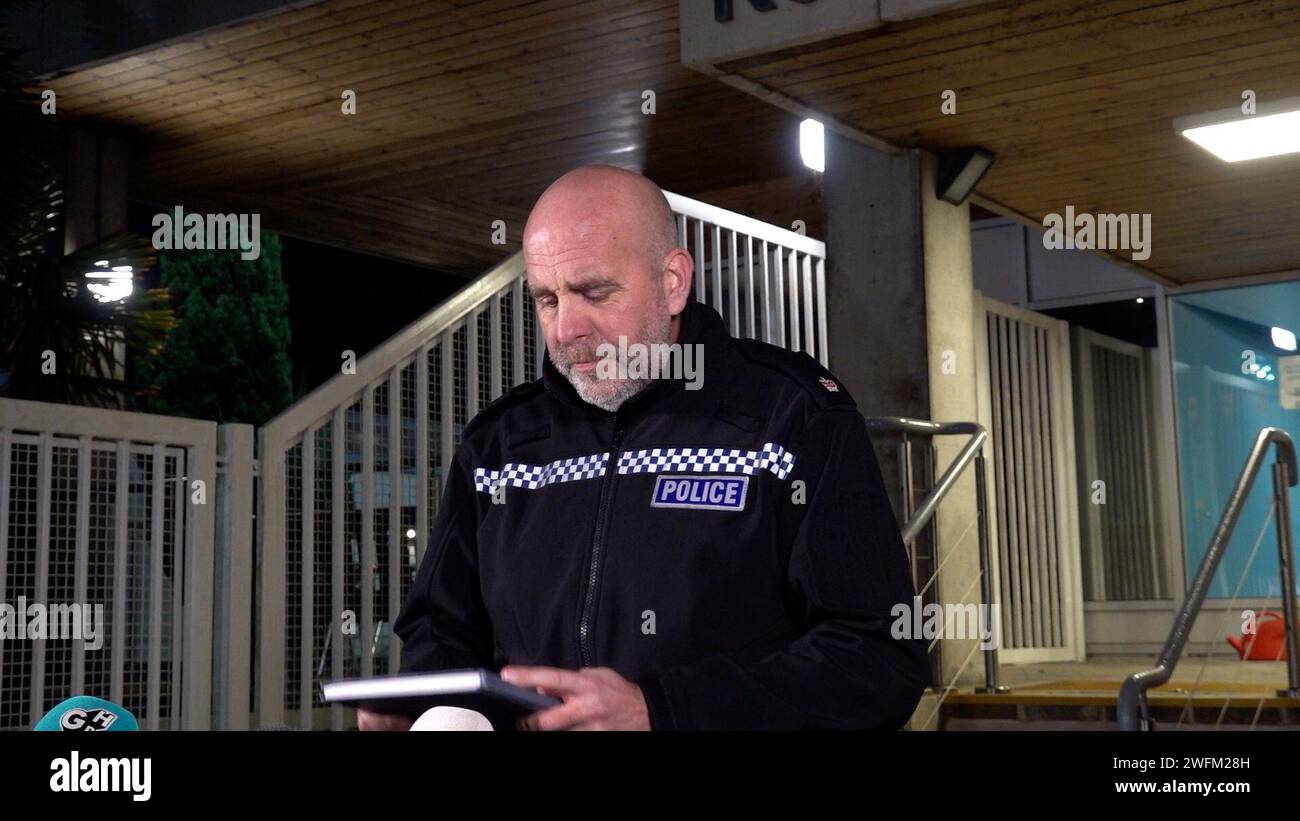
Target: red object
1267 643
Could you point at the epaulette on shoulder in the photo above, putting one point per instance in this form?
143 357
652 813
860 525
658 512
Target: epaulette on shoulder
517 395
805 371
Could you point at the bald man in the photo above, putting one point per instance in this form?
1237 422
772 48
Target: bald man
707 546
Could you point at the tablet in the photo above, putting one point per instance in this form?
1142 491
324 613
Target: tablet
411 694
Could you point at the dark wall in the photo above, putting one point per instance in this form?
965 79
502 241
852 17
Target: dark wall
57 35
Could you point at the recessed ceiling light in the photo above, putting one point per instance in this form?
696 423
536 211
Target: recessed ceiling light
1233 137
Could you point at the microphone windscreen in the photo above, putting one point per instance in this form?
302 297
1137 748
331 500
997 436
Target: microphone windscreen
87 714
455 719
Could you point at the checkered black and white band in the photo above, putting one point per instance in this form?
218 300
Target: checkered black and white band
532 477
772 458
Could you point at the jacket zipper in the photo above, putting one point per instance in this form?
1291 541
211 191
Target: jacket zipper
602 514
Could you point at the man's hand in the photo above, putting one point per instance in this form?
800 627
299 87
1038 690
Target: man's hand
369 720
595 698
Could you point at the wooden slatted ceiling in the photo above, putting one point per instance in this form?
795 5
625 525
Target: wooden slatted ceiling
1077 99
465 112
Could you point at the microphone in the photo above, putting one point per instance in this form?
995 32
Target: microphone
87 714
454 719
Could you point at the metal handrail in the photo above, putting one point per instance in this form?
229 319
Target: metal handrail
973 450
1133 693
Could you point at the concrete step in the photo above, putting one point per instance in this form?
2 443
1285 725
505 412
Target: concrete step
1202 694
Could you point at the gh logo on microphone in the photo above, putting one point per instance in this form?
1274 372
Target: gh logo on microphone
95 720
723 10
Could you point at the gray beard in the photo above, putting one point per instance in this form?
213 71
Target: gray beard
625 391
610 394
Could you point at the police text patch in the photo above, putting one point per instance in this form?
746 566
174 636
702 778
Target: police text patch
701 492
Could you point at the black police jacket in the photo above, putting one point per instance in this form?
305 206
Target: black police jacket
730 549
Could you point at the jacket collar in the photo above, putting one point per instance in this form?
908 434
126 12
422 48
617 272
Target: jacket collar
700 325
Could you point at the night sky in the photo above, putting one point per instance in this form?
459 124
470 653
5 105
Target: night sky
339 300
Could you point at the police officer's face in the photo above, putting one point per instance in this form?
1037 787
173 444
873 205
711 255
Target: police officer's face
592 285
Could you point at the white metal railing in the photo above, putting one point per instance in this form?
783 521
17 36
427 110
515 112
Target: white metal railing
95 509
354 470
766 282
96 505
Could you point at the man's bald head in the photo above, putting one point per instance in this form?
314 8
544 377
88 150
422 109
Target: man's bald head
603 265
623 204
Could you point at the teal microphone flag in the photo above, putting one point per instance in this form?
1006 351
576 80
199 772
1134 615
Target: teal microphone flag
87 714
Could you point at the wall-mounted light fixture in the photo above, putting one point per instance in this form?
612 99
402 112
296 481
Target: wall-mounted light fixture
959 171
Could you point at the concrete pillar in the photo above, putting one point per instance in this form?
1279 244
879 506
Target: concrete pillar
875 281
901 331
950 311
